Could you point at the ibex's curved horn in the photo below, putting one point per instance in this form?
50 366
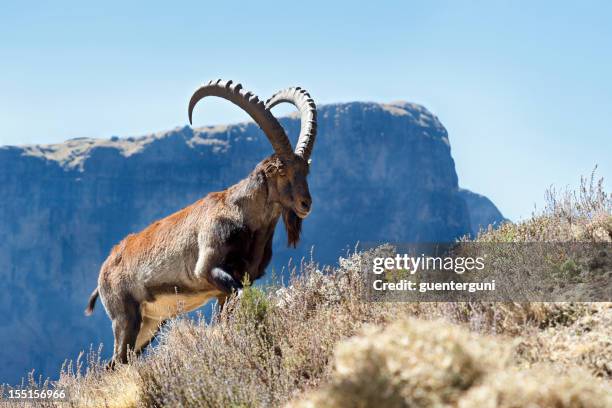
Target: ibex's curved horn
251 104
308 112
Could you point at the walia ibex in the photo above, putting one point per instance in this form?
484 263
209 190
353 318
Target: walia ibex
206 250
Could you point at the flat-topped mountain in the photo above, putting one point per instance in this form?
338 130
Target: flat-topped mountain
380 172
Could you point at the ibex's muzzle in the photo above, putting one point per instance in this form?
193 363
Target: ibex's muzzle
303 207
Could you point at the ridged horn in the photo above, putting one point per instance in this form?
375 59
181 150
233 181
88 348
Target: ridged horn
251 104
308 112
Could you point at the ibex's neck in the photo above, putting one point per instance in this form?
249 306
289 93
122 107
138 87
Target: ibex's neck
254 197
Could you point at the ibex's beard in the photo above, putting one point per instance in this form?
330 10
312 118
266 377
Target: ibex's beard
293 225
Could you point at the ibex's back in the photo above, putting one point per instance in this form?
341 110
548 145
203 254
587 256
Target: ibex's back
205 250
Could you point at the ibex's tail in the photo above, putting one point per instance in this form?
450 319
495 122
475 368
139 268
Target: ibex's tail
92 302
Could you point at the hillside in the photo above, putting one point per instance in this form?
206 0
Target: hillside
317 343
381 172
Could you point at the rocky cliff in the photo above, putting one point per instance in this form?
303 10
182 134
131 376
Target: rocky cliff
381 172
482 211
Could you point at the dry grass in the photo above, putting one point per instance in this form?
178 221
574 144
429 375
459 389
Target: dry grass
581 215
317 343
409 363
586 343
414 363
540 387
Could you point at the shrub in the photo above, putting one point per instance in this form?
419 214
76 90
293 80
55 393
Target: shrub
537 388
432 364
410 363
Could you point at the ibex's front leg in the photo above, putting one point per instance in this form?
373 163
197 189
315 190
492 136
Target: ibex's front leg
224 281
207 268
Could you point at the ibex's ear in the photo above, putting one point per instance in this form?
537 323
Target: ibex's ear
273 166
293 226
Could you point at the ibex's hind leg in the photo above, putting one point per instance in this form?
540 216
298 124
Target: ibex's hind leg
148 331
126 326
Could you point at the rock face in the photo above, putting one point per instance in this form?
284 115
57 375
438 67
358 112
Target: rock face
482 211
379 173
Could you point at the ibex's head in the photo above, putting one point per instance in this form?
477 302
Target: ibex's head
291 183
288 169
291 186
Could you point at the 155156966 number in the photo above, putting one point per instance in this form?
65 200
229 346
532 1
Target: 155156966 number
33 394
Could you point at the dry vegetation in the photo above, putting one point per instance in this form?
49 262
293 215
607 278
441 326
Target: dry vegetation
316 343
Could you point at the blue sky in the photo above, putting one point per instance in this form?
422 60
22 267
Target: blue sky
524 88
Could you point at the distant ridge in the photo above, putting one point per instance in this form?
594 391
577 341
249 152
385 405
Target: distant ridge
72 153
482 211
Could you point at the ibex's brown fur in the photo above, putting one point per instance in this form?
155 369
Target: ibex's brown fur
201 252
